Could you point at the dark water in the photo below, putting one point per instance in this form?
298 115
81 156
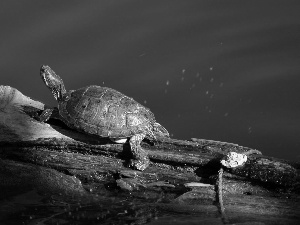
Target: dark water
221 70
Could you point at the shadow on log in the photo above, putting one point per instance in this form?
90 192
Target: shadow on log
73 176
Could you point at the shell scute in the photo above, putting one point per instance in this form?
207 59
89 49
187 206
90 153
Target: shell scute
94 91
127 102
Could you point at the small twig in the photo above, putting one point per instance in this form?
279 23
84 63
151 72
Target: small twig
220 197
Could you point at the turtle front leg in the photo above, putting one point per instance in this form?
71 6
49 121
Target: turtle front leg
140 159
45 116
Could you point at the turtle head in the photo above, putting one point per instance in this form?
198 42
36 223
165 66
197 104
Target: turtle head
53 82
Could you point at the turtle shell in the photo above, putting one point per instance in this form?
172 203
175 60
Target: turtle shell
105 112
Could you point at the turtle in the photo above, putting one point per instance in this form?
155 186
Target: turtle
106 113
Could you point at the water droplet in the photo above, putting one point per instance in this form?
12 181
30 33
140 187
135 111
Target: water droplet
211 79
221 84
197 75
168 82
103 82
145 101
182 78
166 91
206 92
211 68
226 114
211 96
183 71
250 130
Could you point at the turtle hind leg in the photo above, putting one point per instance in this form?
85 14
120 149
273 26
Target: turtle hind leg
140 159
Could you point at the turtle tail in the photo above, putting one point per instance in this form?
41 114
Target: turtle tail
159 130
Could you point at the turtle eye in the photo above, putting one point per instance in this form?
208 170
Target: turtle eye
83 106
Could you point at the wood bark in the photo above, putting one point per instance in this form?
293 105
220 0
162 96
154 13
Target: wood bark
182 177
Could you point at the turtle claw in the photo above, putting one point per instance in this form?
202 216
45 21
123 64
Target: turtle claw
139 164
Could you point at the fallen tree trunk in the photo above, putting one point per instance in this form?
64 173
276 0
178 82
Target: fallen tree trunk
182 177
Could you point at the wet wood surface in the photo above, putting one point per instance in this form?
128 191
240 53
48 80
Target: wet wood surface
182 176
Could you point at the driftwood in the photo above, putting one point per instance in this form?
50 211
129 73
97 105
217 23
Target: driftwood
85 178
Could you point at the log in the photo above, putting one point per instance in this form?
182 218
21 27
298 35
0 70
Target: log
66 168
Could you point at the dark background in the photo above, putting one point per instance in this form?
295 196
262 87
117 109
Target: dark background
221 70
